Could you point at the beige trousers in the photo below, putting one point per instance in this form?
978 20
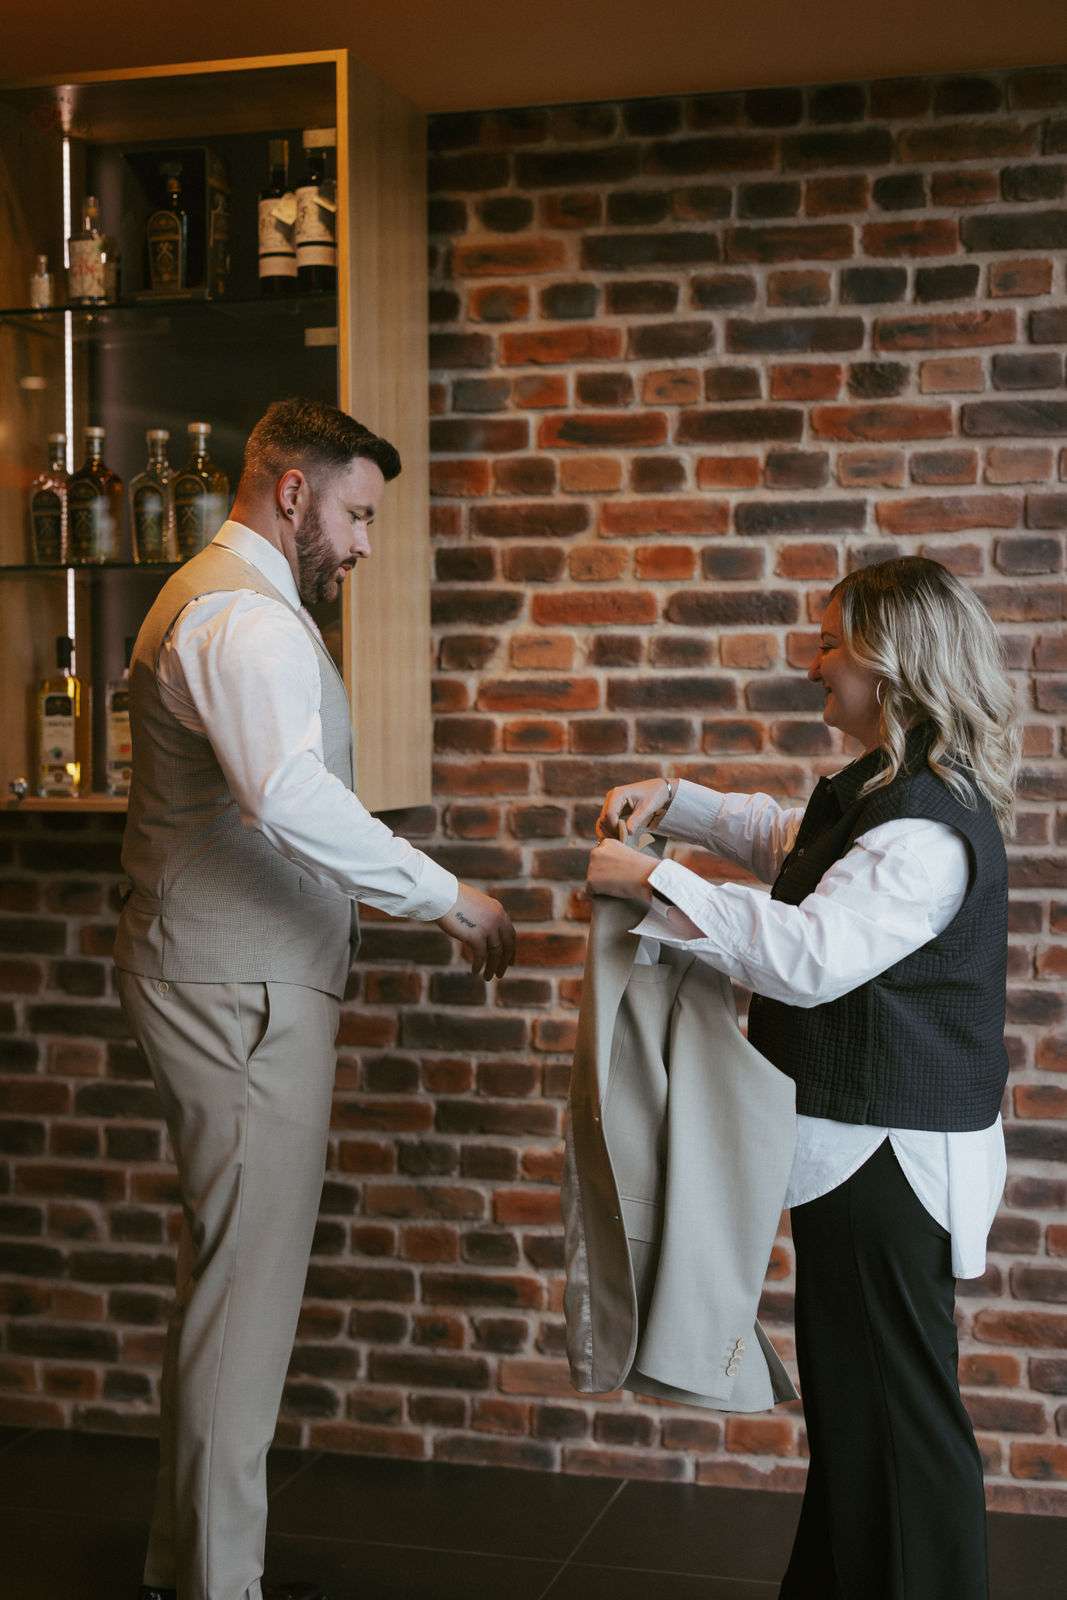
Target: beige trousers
245 1072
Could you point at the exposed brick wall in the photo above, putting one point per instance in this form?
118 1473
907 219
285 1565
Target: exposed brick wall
693 359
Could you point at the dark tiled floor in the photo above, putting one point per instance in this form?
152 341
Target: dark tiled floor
73 1509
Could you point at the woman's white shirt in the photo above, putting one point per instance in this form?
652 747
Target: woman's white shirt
895 889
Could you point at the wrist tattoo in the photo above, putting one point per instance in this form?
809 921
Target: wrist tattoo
466 921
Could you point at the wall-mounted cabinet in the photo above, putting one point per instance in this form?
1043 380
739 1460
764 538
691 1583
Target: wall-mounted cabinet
195 335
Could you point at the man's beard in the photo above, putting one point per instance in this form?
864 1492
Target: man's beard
316 563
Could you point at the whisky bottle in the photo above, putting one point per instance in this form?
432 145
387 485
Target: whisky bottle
48 507
119 740
152 503
94 507
59 729
316 216
87 277
167 235
201 495
277 214
42 286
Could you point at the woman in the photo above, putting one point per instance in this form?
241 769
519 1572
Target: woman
878 966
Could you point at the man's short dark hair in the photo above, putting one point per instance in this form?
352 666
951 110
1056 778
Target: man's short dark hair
309 433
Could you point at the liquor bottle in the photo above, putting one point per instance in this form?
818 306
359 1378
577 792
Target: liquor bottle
119 740
42 287
94 507
48 506
59 728
152 503
316 216
201 495
87 278
167 235
277 214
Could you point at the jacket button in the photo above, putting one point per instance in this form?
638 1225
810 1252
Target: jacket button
164 988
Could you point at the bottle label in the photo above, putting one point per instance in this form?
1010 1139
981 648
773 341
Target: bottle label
277 253
58 770
41 290
150 523
199 513
316 219
87 278
46 513
91 527
119 741
165 255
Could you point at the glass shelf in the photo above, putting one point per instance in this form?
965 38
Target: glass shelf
149 568
243 306
84 803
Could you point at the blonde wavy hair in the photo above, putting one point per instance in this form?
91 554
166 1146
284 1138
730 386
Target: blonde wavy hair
933 645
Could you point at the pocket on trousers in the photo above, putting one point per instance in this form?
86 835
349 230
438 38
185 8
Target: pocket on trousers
254 1011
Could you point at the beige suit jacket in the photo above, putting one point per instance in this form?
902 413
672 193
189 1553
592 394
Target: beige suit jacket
679 1149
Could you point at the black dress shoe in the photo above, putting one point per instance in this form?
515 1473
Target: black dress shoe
158 1594
271 1591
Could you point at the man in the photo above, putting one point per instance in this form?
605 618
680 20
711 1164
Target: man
247 849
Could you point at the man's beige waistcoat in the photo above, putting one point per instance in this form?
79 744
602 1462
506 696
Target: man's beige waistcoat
679 1151
212 900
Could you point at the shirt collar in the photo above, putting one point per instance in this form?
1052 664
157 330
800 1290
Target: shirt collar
847 784
261 554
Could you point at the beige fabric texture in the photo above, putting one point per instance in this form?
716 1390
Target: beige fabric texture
212 901
679 1147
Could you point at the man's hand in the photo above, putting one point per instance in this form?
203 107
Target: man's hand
638 803
484 929
615 869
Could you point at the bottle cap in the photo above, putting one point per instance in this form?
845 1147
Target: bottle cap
199 427
42 265
157 435
57 439
319 138
92 203
95 434
64 650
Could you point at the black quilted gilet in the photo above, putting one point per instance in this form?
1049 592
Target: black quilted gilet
921 1045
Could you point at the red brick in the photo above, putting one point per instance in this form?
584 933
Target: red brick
533 735
524 475
539 694
728 472
674 386
965 187
1019 279
946 513
881 421
459 477
948 330
495 257
542 652
627 431
935 236
590 474
761 1436
559 346
808 561
1018 464
790 242
1037 1329
826 197
630 518
1039 1100
966 141
803 381
538 391
576 210
662 562
1046 1460
798 287
953 375
752 652
497 302
594 608
885 469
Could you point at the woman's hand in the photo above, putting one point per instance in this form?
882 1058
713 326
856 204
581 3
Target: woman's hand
638 802
617 870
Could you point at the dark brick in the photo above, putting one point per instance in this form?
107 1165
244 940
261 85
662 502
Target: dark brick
480 394
452 350
669 341
459 436
867 286
1025 230
592 164
768 199
447 216
724 153
1033 183
731 383
604 388
794 334
94 1022
606 252
480 606
1027 556
62 1342
965 96
731 608
837 102
445 305
569 300
1046 510
31 936
640 208
944 466
721 290
726 427
616 650
1049 326
990 419
947 283
641 297
774 108
115 1266
800 516
429 1030
680 693
506 213
464 564
784 694
900 191
649 118
1027 370
864 147
656 474
454 130
557 519
797 469
732 563
877 380
471 171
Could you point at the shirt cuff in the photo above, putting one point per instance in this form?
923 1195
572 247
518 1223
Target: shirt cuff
433 896
692 813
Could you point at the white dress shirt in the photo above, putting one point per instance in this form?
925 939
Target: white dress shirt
241 670
898 886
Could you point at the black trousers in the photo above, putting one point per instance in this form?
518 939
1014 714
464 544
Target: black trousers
894 1507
